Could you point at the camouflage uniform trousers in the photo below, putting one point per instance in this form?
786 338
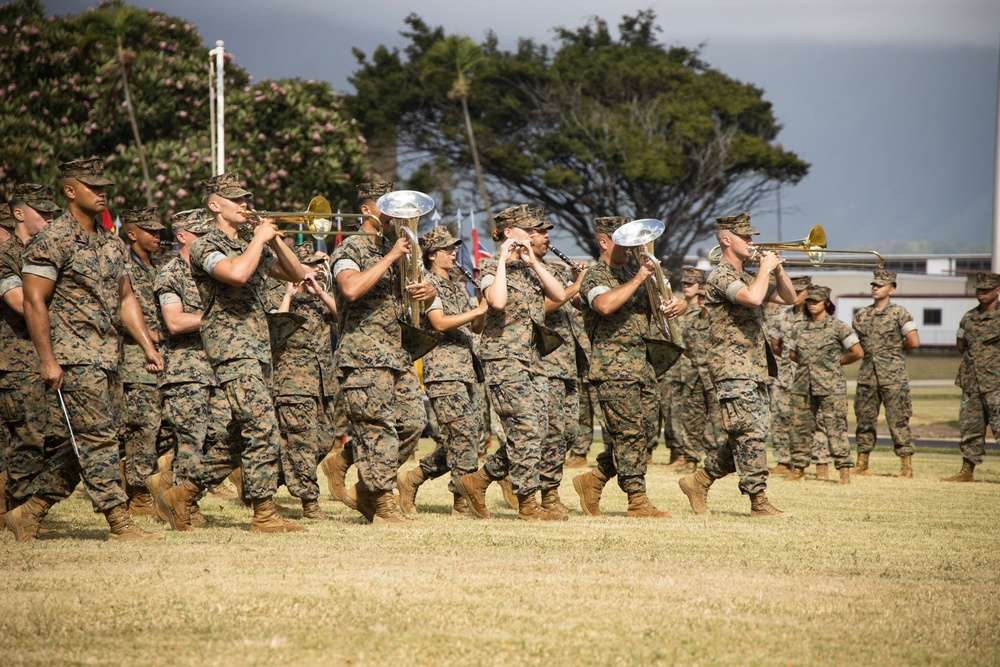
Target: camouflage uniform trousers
459 421
585 421
387 412
94 403
745 421
139 430
198 415
701 420
520 399
781 424
830 414
898 410
975 411
630 413
672 435
306 427
252 439
481 404
341 425
563 413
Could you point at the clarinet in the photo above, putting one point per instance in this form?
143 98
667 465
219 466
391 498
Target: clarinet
469 275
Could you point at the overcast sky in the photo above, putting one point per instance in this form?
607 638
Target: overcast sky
892 101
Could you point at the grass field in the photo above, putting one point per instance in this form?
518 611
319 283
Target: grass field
882 571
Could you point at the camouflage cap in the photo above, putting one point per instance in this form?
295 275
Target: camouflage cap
90 171
800 283
817 293
884 277
143 218
521 216
6 218
437 238
375 190
225 185
307 253
195 221
987 280
39 197
539 213
609 223
693 276
738 224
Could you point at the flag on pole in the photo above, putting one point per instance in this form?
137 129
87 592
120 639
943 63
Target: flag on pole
106 220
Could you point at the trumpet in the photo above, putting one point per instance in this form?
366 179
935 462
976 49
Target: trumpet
317 218
814 248
405 207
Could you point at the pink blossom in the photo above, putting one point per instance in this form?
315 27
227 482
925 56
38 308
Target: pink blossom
317 149
181 193
183 114
347 177
160 178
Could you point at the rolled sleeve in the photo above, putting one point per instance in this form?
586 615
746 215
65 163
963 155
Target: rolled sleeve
596 292
733 289
486 281
43 270
849 342
908 327
345 265
435 304
168 298
9 283
212 260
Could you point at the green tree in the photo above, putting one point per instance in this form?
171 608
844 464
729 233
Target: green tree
596 126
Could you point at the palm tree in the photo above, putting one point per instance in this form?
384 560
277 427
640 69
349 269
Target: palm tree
449 61
121 24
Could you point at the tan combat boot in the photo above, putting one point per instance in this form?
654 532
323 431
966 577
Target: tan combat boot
695 487
24 520
311 510
551 502
845 475
359 499
589 486
195 516
690 467
528 510
141 504
639 507
387 513
968 467
473 488
460 506
175 504
861 468
906 467
761 508
123 528
676 460
780 469
507 489
408 484
222 492
3 495
266 520
335 467
236 479
797 475
822 471
574 461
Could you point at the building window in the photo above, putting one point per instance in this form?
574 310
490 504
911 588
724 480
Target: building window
967 266
932 317
907 266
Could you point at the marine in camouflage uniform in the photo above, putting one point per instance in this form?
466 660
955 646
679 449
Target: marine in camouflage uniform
885 330
194 408
23 406
700 408
6 231
381 389
822 346
738 365
141 395
978 340
76 291
578 450
449 374
514 339
230 271
617 316
305 385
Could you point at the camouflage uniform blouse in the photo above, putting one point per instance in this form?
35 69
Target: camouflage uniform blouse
234 324
370 335
617 348
16 351
820 345
510 333
881 333
694 330
562 362
86 301
776 320
303 365
142 277
183 354
451 359
737 339
980 369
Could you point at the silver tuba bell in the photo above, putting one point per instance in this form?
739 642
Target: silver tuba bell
405 207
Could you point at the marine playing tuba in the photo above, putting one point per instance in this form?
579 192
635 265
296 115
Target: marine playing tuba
405 207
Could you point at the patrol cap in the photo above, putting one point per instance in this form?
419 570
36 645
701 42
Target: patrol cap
817 293
38 197
143 218
987 280
521 216
375 190
6 218
89 171
225 185
307 254
693 276
609 223
884 277
800 283
540 214
738 224
437 238
195 221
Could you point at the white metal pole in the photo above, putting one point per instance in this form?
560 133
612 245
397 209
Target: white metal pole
220 107
995 262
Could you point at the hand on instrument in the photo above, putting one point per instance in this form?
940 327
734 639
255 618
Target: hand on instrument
770 261
267 230
312 285
52 374
402 247
578 269
673 308
154 362
646 269
422 291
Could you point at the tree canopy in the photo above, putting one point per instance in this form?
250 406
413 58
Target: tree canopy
61 100
595 126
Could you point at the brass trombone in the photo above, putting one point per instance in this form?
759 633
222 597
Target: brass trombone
814 248
318 220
